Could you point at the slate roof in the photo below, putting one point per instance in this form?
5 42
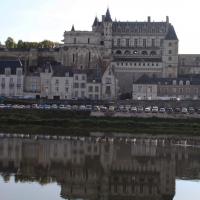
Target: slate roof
12 64
60 71
132 59
95 23
167 81
171 34
108 16
140 27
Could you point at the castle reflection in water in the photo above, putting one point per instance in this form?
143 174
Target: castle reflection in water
87 168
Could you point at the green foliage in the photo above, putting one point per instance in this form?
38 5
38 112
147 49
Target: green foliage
10 43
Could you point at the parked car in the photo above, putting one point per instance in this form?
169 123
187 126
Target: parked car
133 109
147 109
111 108
54 106
68 107
140 109
2 106
82 107
154 109
177 110
169 110
191 110
184 110
88 107
162 110
96 108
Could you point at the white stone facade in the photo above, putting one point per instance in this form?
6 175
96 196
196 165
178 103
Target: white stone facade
133 48
11 79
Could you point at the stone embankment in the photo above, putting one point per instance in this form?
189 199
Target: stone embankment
146 115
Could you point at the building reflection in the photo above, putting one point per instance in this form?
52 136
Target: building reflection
91 169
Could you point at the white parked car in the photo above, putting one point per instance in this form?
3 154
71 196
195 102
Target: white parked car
154 109
184 110
162 110
133 109
147 109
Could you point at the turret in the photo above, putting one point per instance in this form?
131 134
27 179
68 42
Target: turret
107 24
95 24
73 29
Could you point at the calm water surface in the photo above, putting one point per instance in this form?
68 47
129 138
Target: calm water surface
96 168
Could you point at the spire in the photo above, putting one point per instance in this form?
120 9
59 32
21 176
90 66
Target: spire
73 29
108 16
95 22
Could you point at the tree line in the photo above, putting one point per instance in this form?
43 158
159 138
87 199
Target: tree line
11 44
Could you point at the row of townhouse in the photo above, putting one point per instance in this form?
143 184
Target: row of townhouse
182 88
57 82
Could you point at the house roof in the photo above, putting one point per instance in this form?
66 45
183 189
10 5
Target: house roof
12 64
132 59
171 34
167 81
108 16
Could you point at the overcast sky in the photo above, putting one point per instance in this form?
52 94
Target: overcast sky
36 20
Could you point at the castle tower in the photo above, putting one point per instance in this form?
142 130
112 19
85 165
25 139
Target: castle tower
170 52
107 27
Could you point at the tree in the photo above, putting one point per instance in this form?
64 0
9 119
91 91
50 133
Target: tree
20 44
10 43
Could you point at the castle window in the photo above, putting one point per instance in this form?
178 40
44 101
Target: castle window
74 40
170 44
170 51
89 58
135 42
88 40
135 52
153 42
144 53
127 42
102 43
118 52
187 82
152 53
144 42
127 52
118 42
169 58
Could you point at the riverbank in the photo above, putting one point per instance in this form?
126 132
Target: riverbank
81 123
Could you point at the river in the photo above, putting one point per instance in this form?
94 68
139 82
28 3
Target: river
99 168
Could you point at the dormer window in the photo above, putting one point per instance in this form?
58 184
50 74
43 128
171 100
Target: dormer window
7 71
180 82
19 72
174 82
187 82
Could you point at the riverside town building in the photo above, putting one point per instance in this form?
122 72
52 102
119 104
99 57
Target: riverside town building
113 59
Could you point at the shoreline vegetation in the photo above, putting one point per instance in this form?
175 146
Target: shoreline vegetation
57 122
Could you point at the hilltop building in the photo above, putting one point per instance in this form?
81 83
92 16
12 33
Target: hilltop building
126 51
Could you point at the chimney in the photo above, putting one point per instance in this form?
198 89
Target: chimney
149 19
167 19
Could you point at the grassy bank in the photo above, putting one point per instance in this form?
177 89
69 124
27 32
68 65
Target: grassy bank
66 122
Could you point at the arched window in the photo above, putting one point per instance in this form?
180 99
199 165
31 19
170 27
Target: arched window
135 52
127 52
118 52
144 53
152 53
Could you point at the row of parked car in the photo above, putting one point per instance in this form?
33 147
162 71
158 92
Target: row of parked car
103 108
